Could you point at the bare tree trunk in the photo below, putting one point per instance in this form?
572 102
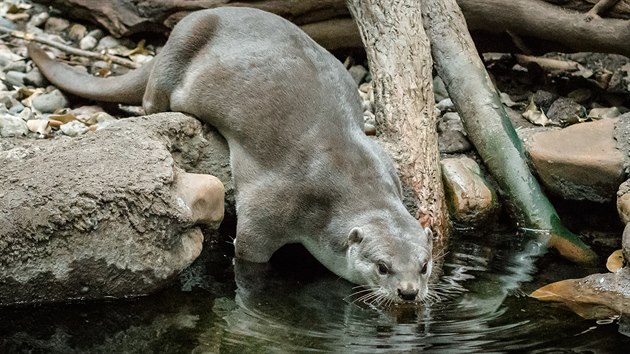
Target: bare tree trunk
400 62
489 128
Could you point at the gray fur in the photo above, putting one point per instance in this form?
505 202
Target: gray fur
304 171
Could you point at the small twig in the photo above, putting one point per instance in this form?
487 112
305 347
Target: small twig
68 49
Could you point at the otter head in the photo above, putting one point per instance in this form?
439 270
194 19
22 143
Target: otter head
392 268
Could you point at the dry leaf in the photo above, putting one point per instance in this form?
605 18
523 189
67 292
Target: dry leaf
534 115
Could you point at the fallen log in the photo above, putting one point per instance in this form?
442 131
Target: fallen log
557 25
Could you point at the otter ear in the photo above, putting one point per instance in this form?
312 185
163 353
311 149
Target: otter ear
355 236
429 234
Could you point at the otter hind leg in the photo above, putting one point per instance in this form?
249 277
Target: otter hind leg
255 248
188 38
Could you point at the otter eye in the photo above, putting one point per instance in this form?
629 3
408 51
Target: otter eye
424 268
383 269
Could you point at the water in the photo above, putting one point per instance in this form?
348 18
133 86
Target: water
295 306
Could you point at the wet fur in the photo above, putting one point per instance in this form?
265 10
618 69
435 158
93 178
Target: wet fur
304 170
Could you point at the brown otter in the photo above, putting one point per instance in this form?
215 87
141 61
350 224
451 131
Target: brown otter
304 171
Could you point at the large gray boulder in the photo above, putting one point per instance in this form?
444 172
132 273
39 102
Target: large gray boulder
109 214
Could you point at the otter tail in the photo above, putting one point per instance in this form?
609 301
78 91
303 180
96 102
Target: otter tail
127 89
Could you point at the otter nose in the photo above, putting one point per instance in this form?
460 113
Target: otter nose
408 294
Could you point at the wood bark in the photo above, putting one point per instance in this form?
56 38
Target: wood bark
489 127
400 60
561 29
557 25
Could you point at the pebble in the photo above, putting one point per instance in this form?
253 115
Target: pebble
544 99
103 117
369 118
108 42
35 78
12 126
74 128
18 65
88 42
602 113
56 24
565 111
39 19
48 103
445 105
77 32
358 73
15 78
97 33
8 24
17 108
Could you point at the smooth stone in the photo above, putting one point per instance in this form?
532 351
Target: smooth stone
39 19
586 296
580 162
35 78
77 32
96 33
18 65
88 42
369 118
454 142
603 113
369 129
15 78
102 117
12 126
445 105
108 42
56 24
358 73
470 197
580 95
74 128
565 111
8 24
50 102
17 108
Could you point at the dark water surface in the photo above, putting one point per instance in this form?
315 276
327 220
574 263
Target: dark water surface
294 306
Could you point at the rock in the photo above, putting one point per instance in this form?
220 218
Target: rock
74 128
586 296
38 126
108 42
470 198
580 162
369 118
623 202
76 225
7 56
544 99
625 244
445 105
358 73
8 24
602 113
16 109
15 78
35 78
369 129
580 95
439 90
88 43
452 135
565 111
12 126
96 33
50 102
56 25
18 65
77 32
39 19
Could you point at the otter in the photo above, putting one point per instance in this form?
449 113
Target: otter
303 169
